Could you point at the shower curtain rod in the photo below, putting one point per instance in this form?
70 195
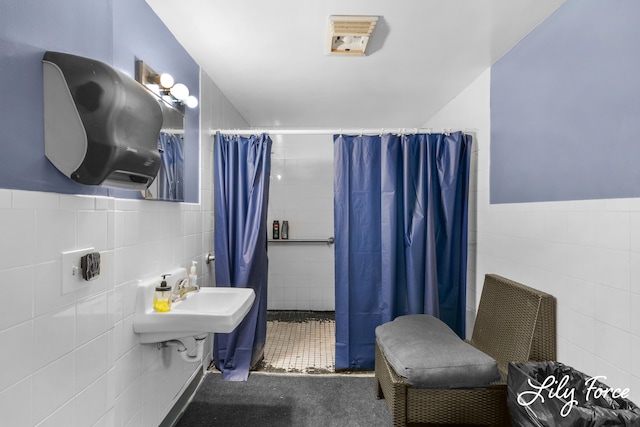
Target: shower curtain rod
173 131
348 131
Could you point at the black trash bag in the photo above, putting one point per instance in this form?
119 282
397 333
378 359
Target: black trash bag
551 394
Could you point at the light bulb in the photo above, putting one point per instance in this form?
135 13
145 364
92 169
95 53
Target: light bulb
166 80
191 101
180 91
347 39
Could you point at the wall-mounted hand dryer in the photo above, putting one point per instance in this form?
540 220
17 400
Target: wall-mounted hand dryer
100 125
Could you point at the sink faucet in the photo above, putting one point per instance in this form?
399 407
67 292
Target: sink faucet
181 289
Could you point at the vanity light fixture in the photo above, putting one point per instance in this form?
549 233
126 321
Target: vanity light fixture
179 91
166 80
165 87
191 101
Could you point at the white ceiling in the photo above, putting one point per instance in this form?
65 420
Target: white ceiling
269 57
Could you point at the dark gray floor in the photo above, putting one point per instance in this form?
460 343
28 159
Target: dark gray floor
280 400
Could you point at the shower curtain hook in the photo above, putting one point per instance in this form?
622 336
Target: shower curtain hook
361 132
381 131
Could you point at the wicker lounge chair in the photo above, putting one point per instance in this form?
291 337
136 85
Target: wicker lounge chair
514 323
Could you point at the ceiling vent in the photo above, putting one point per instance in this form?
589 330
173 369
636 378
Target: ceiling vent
349 35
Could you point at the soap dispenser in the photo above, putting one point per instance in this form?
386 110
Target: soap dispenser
193 275
162 296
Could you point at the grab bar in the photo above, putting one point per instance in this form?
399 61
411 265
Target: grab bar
328 241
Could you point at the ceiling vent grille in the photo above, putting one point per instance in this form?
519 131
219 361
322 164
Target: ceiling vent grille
350 35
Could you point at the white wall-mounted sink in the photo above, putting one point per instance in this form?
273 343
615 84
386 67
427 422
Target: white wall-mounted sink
202 312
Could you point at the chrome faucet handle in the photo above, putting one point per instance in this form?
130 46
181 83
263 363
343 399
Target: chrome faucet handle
181 289
177 288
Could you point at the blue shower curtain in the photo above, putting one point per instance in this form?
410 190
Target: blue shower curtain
170 184
242 169
400 211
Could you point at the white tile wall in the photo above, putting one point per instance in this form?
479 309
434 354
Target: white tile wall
17 286
73 359
301 275
586 253
16 403
53 386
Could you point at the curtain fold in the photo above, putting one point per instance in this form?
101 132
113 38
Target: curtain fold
241 190
170 183
400 235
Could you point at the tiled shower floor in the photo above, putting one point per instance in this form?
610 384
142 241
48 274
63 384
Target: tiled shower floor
300 341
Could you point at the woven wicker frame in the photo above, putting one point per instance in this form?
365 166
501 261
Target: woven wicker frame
514 323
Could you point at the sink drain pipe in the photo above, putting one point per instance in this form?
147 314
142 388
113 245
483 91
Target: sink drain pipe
182 349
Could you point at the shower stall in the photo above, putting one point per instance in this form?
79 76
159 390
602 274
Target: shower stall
301 268
302 272
301 302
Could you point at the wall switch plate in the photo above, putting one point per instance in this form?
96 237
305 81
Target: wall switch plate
72 271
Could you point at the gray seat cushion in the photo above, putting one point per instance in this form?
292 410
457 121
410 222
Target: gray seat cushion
425 351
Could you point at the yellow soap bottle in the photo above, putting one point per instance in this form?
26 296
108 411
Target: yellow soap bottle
162 296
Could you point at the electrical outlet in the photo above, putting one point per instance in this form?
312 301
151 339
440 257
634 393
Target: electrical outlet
71 270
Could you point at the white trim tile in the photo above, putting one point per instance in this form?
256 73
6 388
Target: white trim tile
6 199
35 200
17 228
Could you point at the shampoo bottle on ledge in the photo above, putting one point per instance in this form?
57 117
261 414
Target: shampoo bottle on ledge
193 275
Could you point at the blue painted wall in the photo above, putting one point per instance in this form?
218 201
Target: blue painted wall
565 107
112 31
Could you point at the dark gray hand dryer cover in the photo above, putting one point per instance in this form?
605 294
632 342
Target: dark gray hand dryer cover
100 125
